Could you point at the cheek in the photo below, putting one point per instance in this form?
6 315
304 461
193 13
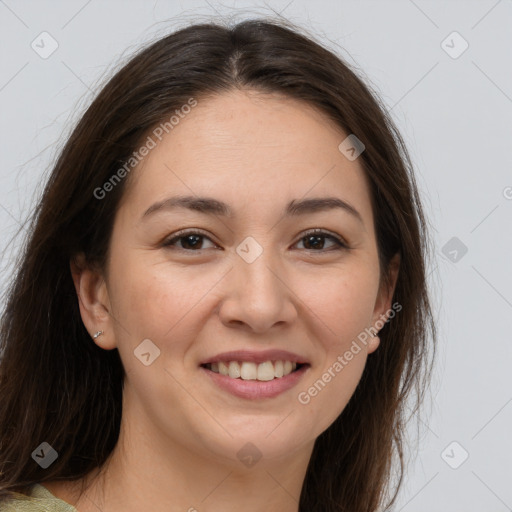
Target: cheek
325 395
344 308
342 300
152 299
153 303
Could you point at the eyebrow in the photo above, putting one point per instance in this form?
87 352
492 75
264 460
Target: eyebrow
210 206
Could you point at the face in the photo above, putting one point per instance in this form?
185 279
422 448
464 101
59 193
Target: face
252 273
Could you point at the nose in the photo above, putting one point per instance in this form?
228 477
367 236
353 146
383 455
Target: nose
257 296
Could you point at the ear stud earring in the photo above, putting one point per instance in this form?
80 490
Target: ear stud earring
98 334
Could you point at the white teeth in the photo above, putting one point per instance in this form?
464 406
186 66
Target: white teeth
223 368
234 370
278 369
266 371
246 370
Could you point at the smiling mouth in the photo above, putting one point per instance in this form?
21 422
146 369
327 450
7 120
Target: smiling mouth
245 370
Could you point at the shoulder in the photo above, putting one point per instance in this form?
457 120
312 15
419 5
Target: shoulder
39 499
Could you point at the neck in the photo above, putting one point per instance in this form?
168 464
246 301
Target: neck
148 470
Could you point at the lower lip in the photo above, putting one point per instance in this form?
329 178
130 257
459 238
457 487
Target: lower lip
256 389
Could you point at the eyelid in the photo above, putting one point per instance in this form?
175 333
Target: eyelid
185 232
340 242
326 233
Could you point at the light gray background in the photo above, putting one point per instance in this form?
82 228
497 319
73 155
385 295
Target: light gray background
456 117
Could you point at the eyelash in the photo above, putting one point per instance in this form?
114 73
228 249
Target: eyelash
341 245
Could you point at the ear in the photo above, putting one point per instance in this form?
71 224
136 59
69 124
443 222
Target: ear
382 308
93 300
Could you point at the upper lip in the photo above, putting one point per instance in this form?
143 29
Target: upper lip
256 356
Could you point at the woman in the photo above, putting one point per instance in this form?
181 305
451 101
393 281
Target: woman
222 303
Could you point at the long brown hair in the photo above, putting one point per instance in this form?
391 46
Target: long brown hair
56 386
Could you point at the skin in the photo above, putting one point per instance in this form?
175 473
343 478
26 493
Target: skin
180 434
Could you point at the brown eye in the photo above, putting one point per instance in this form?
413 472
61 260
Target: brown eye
187 241
315 241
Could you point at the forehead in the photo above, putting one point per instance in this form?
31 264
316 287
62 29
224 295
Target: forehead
246 147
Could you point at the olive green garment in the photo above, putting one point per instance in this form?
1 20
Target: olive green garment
39 499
